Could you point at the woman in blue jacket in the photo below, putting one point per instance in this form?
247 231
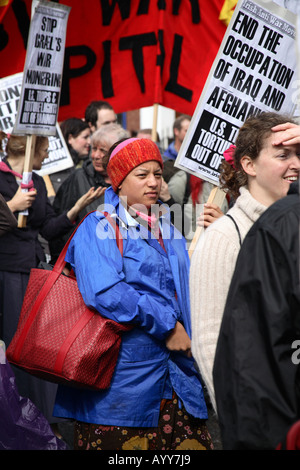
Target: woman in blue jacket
155 400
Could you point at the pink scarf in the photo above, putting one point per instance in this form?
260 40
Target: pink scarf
6 169
152 222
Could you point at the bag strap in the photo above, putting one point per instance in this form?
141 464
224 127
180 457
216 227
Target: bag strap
53 276
237 228
60 263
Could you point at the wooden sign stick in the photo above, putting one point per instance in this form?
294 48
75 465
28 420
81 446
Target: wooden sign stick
216 196
29 154
49 186
154 125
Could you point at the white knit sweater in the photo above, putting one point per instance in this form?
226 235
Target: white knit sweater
212 267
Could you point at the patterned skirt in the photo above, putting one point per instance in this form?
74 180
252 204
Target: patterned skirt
176 430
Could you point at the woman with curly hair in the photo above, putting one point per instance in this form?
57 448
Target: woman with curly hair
256 172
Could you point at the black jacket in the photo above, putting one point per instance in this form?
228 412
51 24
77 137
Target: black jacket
20 249
7 219
75 186
256 371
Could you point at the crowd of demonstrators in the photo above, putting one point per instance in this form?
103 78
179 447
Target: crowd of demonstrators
174 309
257 171
91 174
77 136
155 400
256 369
20 249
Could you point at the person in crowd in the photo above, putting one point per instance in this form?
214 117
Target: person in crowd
180 127
78 139
20 249
7 218
99 113
257 171
91 174
155 399
77 136
176 181
256 368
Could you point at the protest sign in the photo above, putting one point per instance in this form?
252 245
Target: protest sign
59 157
132 54
42 77
253 72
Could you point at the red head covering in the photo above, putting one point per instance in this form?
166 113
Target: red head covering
129 154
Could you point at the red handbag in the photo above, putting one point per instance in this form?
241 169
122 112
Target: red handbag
58 337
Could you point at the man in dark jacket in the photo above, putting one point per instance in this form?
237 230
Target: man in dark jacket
256 369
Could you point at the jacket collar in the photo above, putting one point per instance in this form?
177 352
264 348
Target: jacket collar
113 206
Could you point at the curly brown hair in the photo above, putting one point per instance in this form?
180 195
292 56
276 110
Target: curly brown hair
250 140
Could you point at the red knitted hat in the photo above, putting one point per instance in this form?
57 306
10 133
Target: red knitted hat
128 155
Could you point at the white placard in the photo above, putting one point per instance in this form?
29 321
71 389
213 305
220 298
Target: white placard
59 157
254 71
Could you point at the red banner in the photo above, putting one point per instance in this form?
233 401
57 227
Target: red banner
131 54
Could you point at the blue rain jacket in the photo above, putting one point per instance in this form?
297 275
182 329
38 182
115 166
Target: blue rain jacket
138 288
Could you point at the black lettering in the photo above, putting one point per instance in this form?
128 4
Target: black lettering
6 123
172 85
48 24
245 25
10 93
231 105
213 97
58 44
106 77
23 20
160 59
108 10
273 98
143 7
196 17
43 26
270 39
44 59
136 44
69 73
3 38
